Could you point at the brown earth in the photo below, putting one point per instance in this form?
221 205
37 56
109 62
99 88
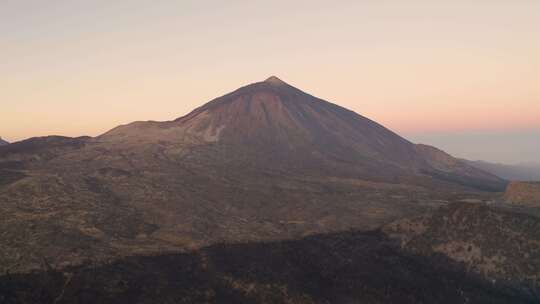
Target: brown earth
523 194
498 243
347 267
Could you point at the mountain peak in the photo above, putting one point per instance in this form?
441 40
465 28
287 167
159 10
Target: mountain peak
275 81
271 121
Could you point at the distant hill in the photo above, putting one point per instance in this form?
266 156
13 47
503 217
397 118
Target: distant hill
3 142
519 172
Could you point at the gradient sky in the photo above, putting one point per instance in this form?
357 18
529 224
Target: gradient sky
450 73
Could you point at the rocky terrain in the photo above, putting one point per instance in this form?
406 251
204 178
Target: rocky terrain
3 142
523 194
497 243
347 267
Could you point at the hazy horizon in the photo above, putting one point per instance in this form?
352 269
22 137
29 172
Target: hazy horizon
461 76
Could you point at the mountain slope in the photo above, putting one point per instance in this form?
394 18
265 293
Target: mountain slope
459 171
3 142
499 243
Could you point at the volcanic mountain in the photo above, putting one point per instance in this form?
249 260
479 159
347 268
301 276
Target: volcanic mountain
265 162
281 121
278 126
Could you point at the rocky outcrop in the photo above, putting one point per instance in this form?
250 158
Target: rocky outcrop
523 194
499 244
